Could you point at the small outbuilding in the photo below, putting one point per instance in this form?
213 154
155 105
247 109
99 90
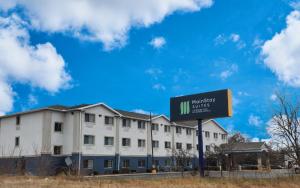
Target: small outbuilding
248 155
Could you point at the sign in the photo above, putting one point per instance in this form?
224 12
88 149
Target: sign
201 106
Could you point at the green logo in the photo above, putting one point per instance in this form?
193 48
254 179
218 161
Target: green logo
184 107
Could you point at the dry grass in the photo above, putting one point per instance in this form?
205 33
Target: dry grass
55 182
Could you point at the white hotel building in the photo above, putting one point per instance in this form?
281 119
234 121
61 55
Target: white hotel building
97 138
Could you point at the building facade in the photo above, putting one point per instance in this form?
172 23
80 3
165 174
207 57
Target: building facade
97 138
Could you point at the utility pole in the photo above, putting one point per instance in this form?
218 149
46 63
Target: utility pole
200 148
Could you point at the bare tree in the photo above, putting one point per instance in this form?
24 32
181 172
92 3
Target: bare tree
182 158
284 127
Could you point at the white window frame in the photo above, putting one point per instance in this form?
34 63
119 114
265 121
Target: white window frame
141 124
127 142
110 163
141 143
110 140
91 136
90 164
155 143
110 119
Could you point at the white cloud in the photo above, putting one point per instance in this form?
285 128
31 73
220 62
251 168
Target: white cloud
255 139
282 53
159 87
242 93
273 97
101 20
32 100
254 120
39 66
234 37
154 72
141 111
158 42
229 72
295 5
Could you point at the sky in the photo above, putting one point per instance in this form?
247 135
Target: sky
136 55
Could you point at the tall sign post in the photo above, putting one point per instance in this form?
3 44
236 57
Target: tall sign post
198 107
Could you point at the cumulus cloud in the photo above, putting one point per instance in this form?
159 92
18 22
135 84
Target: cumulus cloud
273 97
154 72
101 20
37 65
282 53
233 37
254 120
158 42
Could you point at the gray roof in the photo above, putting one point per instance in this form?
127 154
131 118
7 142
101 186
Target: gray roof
244 147
134 114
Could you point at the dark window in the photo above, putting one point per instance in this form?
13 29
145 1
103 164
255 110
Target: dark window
18 120
89 117
155 143
109 120
156 162
141 143
141 124
223 136
178 130
141 163
168 162
89 139
207 135
58 127
188 146
88 164
197 147
126 163
126 123
125 141
216 135
57 150
167 128
167 144
108 163
17 141
178 145
155 127
188 131
108 141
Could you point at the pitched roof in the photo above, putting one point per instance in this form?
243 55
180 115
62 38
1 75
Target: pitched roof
244 147
133 114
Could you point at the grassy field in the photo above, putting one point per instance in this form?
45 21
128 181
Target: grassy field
54 182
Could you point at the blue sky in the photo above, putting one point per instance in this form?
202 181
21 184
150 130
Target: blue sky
213 47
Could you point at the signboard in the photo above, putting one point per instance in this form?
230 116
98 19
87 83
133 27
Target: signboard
201 106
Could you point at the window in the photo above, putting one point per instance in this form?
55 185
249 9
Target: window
197 147
188 131
89 117
168 162
141 124
126 163
178 145
125 141
141 163
18 120
141 143
156 162
207 147
126 123
88 164
89 139
178 130
215 135
57 127
108 141
108 163
167 144
155 127
207 135
17 141
189 163
57 150
188 146
108 120
223 136
155 143
167 128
